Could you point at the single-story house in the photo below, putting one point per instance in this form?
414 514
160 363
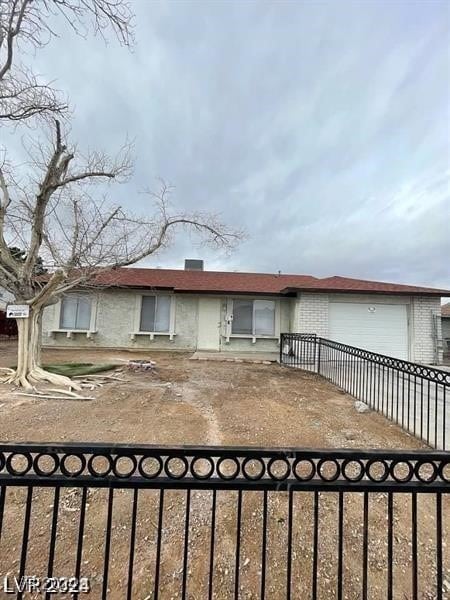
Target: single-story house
8 327
445 319
5 297
192 309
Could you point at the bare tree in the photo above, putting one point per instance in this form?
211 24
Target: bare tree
78 236
27 25
54 214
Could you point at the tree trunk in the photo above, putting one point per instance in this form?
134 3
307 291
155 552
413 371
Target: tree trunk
29 370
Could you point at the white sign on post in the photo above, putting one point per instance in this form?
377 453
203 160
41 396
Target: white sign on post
17 311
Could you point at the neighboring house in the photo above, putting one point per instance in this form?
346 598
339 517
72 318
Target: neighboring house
8 327
5 297
225 311
445 319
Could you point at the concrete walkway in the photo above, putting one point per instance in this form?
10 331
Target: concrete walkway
248 357
419 406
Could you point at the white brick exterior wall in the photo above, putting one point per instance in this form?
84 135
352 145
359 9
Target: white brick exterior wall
310 315
421 328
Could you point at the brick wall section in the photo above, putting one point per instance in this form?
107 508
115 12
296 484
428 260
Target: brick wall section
116 320
306 314
311 314
421 327
116 312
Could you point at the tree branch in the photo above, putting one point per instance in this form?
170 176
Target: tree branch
29 24
6 259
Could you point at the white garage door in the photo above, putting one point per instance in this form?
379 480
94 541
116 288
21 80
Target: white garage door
381 328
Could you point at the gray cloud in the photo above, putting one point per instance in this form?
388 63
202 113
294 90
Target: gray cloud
322 128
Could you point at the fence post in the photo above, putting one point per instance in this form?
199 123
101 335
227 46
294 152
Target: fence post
281 347
318 340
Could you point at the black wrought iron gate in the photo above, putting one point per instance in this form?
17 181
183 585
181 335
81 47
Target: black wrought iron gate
414 396
185 522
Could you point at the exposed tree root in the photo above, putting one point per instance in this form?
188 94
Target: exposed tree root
67 393
38 375
18 380
59 396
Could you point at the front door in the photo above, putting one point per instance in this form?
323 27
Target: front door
208 324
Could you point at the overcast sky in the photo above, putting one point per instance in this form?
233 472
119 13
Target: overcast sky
320 127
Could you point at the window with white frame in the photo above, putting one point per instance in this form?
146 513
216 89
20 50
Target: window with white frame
75 312
155 314
253 317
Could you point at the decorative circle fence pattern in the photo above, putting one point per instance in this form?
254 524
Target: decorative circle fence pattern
233 468
283 508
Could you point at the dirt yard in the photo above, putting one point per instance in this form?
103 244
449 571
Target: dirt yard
214 403
199 402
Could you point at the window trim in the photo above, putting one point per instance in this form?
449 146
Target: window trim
228 329
70 331
155 308
137 318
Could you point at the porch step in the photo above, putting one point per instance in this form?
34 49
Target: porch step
265 358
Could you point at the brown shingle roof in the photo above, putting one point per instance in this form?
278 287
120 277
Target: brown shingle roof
253 283
445 310
347 284
204 281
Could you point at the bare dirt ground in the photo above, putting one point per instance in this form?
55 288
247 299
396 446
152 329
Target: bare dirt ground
214 403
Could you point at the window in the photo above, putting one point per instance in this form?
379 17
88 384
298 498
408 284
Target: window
155 314
253 317
264 317
242 317
75 312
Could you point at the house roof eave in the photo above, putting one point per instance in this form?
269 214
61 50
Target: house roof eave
318 290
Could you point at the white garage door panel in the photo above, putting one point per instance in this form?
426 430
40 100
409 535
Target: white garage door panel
381 328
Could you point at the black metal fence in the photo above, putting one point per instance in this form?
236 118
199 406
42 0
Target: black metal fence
155 522
414 396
